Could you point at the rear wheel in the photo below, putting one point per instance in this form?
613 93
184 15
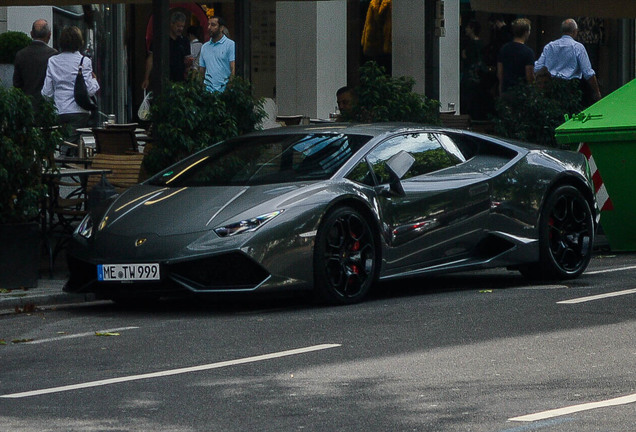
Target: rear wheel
345 262
566 236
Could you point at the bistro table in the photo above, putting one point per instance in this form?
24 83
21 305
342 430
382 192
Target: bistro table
50 204
68 161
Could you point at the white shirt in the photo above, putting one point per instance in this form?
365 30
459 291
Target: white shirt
565 58
59 83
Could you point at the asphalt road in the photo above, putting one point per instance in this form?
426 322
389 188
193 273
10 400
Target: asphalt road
485 351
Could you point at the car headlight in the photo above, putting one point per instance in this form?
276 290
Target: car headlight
248 225
85 228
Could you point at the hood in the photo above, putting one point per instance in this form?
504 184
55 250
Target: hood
173 211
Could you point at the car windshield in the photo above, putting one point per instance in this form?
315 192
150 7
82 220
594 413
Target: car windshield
264 160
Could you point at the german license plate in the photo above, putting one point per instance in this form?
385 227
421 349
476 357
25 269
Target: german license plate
127 272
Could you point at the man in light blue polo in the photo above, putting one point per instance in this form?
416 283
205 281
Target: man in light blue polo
567 59
217 58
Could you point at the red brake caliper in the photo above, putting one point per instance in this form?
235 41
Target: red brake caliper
354 248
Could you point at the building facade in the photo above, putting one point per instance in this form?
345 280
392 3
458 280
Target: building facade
298 53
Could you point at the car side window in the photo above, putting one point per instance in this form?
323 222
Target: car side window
361 174
453 151
427 151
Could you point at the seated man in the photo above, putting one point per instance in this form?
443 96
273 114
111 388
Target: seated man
345 98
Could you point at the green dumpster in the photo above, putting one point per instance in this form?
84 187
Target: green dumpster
606 134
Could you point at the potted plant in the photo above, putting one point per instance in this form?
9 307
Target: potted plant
532 112
26 140
187 118
10 43
381 98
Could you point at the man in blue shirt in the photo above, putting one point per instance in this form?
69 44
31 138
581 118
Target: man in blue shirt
217 58
567 59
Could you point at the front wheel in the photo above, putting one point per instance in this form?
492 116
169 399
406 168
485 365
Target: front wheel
345 261
566 236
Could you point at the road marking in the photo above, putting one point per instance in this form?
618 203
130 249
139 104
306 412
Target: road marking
610 270
544 287
78 335
624 400
538 425
598 297
170 372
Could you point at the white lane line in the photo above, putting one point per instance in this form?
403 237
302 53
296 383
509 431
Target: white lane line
610 270
598 297
78 335
624 400
170 372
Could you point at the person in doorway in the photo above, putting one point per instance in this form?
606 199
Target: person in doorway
217 59
515 62
474 95
500 34
59 83
567 59
30 62
179 49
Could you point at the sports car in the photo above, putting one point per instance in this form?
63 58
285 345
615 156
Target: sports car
333 209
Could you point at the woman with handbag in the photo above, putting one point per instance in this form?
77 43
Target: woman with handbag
61 80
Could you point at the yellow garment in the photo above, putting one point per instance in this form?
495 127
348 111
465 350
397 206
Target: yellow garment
376 35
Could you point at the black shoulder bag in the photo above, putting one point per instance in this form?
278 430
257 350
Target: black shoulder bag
81 93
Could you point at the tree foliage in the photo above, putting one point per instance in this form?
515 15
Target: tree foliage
187 118
381 98
27 141
10 43
531 113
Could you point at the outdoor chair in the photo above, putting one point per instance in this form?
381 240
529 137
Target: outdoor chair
116 139
125 169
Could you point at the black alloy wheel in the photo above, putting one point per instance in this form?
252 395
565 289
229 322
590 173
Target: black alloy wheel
566 235
345 261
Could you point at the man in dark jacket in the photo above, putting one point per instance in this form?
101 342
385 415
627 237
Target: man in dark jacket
31 62
515 62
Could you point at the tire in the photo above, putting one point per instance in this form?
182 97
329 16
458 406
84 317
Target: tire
566 236
345 257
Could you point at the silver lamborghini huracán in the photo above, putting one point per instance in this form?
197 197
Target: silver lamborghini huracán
333 209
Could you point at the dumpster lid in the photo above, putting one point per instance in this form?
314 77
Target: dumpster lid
613 116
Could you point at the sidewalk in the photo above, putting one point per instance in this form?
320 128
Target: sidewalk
47 293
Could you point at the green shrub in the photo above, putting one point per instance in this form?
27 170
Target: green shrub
381 98
531 113
10 43
187 118
26 140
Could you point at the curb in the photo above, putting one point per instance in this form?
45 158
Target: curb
47 293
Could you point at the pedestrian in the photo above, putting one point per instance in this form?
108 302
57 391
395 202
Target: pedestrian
567 59
59 83
30 63
178 51
515 62
217 59
194 36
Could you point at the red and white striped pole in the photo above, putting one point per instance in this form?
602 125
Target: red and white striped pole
602 197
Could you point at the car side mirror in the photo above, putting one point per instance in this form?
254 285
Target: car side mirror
398 165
